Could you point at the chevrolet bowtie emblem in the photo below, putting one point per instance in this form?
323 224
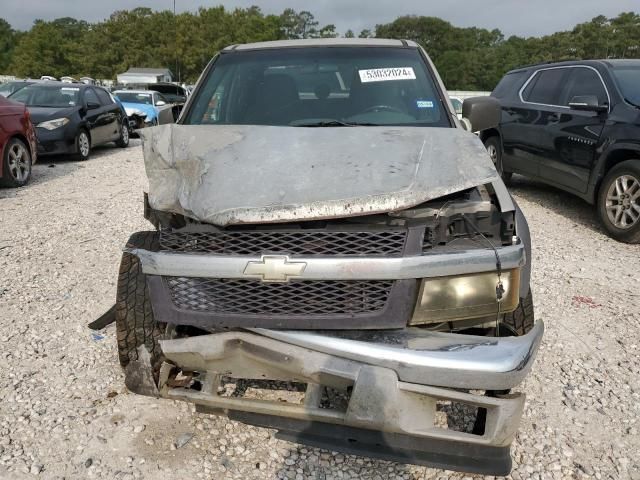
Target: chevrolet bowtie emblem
274 268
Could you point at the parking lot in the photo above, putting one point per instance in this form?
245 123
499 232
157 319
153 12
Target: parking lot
66 412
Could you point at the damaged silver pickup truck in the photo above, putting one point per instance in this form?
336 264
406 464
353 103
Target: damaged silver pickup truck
325 228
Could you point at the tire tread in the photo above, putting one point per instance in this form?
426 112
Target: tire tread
135 323
521 320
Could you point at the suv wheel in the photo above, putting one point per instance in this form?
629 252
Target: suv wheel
619 201
16 164
493 146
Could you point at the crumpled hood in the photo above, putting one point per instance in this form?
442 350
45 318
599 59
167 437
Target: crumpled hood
233 174
149 110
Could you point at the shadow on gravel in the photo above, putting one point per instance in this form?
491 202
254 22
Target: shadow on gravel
321 464
574 209
51 167
324 462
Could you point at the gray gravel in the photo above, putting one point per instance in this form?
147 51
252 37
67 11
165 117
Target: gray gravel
65 412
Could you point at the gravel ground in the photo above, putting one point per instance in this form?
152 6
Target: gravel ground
66 414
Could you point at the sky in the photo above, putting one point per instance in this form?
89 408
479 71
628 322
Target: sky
512 17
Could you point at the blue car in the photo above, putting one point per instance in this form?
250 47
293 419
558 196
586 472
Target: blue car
144 108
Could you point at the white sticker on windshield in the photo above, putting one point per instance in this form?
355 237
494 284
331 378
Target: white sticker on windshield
424 103
70 89
385 74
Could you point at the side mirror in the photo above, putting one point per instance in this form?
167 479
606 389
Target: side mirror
160 103
587 103
481 113
92 105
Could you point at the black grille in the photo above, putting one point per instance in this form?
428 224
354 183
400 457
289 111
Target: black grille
252 297
302 242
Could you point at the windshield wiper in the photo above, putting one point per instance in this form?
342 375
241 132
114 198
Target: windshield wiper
334 123
323 123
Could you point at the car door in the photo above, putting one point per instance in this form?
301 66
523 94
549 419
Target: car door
94 116
575 134
111 115
526 139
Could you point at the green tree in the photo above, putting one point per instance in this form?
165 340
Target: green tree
296 25
7 44
467 58
51 48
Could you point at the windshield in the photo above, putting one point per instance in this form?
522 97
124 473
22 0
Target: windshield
7 89
47 96
319 86
172 98
132 97
628 79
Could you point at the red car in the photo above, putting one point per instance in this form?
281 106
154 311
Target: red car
18 147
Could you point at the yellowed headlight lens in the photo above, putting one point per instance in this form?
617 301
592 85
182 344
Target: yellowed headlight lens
444 299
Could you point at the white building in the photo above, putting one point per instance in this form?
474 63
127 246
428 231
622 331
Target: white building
145 75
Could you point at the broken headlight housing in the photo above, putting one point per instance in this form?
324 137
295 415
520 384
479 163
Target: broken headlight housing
461 297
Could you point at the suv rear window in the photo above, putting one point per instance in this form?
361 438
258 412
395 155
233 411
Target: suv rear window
545 86
509 83
319 86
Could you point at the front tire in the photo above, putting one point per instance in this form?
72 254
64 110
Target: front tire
16 164
135 323
517 323
619 202
123 141
494 148
83 145
521 320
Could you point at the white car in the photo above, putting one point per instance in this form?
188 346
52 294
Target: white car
457 106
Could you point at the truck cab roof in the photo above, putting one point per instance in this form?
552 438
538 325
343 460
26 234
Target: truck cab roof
323 42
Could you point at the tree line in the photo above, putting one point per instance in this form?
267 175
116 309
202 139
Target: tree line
467 58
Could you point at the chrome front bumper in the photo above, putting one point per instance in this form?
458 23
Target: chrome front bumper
397 381
433 358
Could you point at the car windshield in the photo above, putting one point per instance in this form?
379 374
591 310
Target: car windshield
132 97
47 96
319 86
7 89
628 79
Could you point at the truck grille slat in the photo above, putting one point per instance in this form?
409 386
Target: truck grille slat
302 242
253 297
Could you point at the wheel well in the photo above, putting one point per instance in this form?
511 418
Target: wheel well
24 140
619 156
485 134
613 159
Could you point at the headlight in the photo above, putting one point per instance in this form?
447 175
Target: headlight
445 299
53 124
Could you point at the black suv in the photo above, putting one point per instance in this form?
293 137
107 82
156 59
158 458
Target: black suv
576 126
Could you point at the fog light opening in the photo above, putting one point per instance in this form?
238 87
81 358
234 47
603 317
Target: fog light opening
459 417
